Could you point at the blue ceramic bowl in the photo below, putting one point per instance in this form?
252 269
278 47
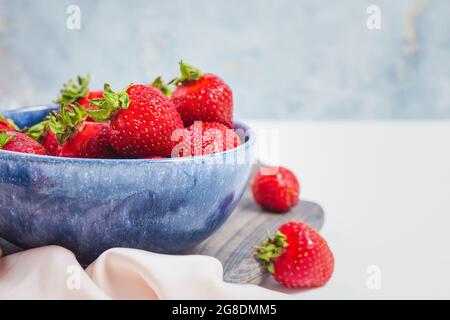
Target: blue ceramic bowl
91 205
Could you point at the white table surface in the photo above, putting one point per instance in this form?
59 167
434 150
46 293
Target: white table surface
385 188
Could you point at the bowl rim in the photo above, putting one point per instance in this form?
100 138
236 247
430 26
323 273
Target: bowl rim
5 154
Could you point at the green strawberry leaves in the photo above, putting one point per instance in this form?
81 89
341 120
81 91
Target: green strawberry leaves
5 138
38 130
158 83
188 73
108 105
271 249
64 124
72 91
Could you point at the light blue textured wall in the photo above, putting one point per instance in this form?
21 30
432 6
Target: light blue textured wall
283 58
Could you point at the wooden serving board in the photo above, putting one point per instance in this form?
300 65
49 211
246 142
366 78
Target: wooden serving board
233 243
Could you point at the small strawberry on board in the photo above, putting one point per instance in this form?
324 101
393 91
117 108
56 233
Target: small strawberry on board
297 256
276 189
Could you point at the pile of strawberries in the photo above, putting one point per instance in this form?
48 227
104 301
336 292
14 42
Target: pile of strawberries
141 121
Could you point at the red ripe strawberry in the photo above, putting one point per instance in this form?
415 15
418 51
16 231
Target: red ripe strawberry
142 121
7 124
297 256
95 95
202 97
20 142
276 189
41 133
79 138
4 125
186 144
91 140
50 142
216 137
204 138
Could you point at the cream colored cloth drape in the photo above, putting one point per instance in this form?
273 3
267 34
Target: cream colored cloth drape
52 272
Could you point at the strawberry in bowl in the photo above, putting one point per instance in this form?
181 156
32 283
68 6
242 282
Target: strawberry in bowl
103 173
202 97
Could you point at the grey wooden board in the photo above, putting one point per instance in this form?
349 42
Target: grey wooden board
233 243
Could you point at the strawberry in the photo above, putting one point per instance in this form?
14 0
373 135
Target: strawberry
276 189
186 146
142 120
41 133
297 256
78 138
204 97
95 95
203 138
20 142
50 142
7 124
91 140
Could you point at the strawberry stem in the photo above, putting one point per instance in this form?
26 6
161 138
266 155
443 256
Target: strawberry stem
64 123
188 73
71 91
4 138
38 130
162 86
109 104
271 249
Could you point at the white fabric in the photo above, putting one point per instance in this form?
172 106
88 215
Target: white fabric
53 273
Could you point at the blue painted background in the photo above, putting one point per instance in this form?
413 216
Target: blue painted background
284 59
